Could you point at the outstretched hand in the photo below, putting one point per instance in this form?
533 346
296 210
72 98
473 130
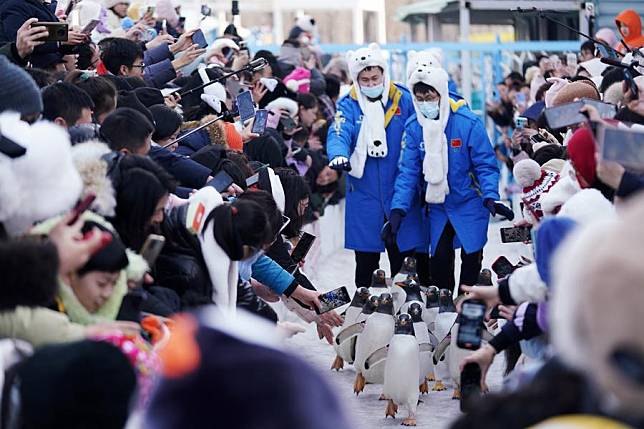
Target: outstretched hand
340 163
498 208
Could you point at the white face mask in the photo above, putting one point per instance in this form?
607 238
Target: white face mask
373 91
429 109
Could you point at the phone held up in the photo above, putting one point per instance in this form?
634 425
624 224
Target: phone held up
471 324
333 299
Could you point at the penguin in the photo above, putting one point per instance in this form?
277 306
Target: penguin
379 283
427 342
408 270
413 294
402 371
442 330
429 317
378 330
345 340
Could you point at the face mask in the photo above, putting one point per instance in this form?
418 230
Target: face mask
429 109
373 91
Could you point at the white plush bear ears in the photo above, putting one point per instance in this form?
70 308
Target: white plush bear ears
362 58
430 58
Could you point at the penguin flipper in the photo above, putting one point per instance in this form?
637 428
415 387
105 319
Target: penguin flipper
348 332
375 357
441 348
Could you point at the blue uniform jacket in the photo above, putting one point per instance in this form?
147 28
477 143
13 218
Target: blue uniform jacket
368 199
271 274
473 176
189 173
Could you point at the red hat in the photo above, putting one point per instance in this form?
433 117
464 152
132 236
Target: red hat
581 152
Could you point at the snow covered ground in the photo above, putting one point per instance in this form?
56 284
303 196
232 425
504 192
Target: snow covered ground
437 409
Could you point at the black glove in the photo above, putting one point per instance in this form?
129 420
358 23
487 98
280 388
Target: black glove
340 163
300 154
498 208
390 228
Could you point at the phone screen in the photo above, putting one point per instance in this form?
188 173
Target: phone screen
198 38
333 299
245 106
606 110
519 234
90 26
261 117
626 147
303 247
564 115
470 324
152 248
221 181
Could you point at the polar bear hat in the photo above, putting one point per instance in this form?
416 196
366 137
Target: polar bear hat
362 58
428 58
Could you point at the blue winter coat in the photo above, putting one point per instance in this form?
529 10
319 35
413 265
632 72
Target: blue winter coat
473 176
368 199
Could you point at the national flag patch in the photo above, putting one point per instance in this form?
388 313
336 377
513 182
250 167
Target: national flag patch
456 143
398 112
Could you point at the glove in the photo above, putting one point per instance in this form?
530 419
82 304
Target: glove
300 155
340 163
498 208
391 227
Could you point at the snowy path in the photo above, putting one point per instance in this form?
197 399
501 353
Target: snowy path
437 410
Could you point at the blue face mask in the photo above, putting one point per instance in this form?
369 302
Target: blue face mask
429 109
373 91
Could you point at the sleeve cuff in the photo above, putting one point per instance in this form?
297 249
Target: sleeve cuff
504 292
509 335
291 288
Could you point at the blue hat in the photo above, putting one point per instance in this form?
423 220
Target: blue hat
551 233
535 110
18 91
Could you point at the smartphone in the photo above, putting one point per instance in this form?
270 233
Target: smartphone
221 181
621 145
81 207
471 324
470 385
152 248
288 123
245 105
520 122
569 114
606 110
303 246
57 31
517 234
333 299
252 180
259 126
198 38
90 26
502 267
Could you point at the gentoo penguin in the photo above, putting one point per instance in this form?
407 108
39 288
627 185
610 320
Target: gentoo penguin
345 345
427 342
413 294
378 330
442 327
402 371
429 317
379 283
408 270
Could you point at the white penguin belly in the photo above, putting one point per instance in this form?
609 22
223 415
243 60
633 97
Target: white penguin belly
456 355
377 332
402 370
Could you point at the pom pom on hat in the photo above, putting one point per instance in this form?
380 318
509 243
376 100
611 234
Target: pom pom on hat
299 80
526 172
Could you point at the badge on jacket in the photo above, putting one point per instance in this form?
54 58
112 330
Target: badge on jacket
456 143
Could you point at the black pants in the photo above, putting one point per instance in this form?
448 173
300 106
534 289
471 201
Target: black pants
442 267
368 262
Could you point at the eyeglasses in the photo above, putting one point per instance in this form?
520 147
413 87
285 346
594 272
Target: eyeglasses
142 65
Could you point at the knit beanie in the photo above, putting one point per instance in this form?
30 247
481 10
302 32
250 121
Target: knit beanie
166 122
574 90
536 183
581 152
18 91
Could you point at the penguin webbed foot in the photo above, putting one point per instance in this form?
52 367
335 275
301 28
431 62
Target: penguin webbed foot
338 364
391 410
423 388
409 421
358 385
431 377
457 394
439 386
383 397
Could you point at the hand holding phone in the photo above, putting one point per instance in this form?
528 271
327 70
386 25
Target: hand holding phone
198 38
471 324
517 234
245 106
221 182
303 246
57 31
152 248
259 126
333 299
502 267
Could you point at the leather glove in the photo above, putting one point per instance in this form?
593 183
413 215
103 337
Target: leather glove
390 228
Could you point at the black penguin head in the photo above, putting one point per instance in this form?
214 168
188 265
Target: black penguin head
370 305
416 312
485 278
432 297
385 304
379 279
360 298
446 303
409 266
404 325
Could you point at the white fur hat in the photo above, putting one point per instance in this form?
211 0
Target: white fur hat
428 58
284 103
360 59
43 182
306 23
426 71
92 168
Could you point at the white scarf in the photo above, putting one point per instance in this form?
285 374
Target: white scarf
435 163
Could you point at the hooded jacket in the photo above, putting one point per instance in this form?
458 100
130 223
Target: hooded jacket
629 18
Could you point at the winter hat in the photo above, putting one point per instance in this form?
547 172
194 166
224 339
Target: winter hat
614 94
166 10
306 23
588 205
547 152
426 58
299 80
18 91
76 385
213 95
562 191
284 103
576 90
594 67
593 280
606 35
166 122
435 163
149 96
536 183
89 162
557 165
581 152
535 110
111 3
550 234
43 182
372 138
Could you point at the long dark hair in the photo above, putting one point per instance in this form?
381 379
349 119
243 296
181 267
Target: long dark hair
242 223
142 183
295 190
